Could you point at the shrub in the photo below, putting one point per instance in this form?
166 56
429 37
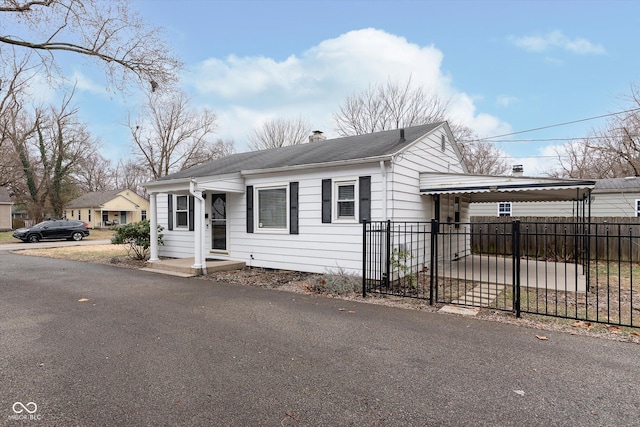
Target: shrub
337 282
136 237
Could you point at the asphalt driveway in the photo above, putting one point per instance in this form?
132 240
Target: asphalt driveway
99 345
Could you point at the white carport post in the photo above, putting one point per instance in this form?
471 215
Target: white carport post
197 228
153 225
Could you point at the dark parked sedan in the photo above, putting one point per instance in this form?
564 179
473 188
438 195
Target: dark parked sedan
58 229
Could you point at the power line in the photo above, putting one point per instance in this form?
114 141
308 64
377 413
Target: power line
546 139
556 125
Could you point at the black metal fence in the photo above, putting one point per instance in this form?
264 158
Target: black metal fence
581 271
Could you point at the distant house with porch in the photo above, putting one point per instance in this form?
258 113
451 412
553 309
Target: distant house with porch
5 209
108 208
302 207
610 198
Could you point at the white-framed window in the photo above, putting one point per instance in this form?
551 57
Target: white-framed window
79 216
637 207
89 215
504 209
272 213
143 215
345 200
181 212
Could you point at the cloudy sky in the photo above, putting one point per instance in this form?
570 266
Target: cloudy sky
506 66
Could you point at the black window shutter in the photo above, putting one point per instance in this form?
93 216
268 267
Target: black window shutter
191 213
293 208
170 211
249 208
326 201
365 198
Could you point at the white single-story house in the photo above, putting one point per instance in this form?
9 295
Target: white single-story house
301 207
5 209
610 198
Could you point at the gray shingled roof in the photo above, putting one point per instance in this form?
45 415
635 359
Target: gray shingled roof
93 199
327 151
4 195
618 183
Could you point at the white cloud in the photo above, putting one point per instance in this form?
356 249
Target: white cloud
506 100
557 39
245 91
85 83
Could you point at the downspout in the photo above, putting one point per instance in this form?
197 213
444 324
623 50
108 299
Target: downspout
383 171
199 261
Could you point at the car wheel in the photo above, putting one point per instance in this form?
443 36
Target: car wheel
77 236
34 238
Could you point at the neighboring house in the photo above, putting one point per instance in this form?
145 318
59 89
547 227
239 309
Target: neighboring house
302 207
107 208
5 209
613 197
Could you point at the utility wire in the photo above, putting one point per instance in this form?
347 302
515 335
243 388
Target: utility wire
499 141
556 125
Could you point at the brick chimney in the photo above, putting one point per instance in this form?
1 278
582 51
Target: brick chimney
517 170
317 136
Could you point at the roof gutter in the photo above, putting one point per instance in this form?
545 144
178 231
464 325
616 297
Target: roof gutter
538 186
168 182
317 165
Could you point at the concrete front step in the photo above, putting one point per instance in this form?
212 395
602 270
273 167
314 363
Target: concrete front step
184 266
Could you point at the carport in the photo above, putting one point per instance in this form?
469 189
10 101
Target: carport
488 268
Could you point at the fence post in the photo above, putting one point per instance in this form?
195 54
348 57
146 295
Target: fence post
515 242
364 258
387 245
432 275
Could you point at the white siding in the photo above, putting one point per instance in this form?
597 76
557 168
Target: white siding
177 243
603 205
406 203
318 247
426 155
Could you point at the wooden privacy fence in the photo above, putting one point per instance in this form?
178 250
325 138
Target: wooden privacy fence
560 238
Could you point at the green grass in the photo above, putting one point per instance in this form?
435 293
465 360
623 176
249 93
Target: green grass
6 237
97 234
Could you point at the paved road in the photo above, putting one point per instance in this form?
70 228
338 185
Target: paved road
151 350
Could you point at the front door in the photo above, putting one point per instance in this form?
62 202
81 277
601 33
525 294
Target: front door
219 222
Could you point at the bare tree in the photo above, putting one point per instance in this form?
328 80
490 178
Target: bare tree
484 158
109 32
129 174
170 135
277 133
46 145
94 173
578 159
619 142
389 106
612 151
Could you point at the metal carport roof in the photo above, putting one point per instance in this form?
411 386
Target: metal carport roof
486 189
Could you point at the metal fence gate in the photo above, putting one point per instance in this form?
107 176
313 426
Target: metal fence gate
581 271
